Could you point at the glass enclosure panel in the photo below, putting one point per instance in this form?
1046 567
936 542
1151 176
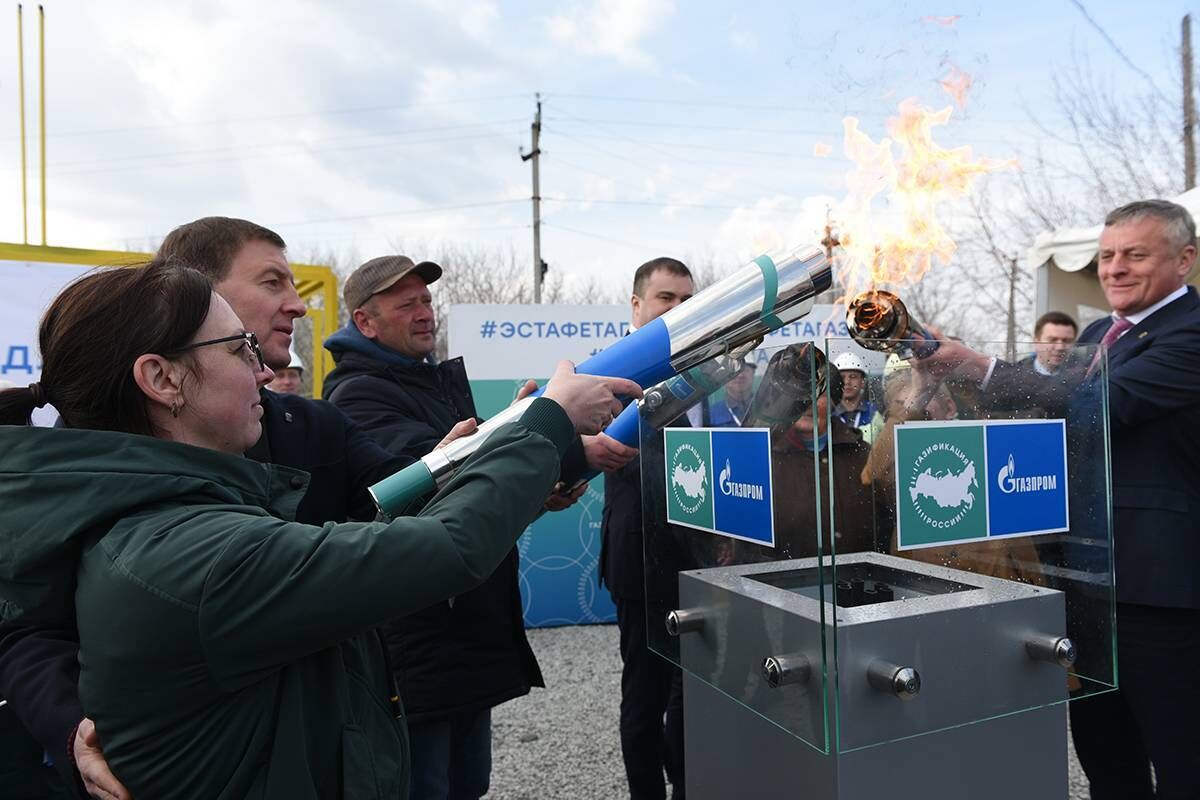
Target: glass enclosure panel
709 499
873 558
987 572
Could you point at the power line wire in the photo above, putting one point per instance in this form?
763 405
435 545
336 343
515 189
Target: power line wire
601 237
834 134
651 203
808 111
672 156
402 212
709 147
274 117
288 154
1117 49
365 140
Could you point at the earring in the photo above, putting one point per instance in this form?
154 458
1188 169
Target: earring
174 409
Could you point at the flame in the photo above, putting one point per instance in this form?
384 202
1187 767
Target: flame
821 150
957 84
945 22
912 177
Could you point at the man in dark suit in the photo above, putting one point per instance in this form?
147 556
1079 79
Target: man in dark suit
651 686
248 265
1153 343
1053 334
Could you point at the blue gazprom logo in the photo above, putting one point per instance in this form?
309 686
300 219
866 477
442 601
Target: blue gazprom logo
741 475
1027 475
1009 481
731 488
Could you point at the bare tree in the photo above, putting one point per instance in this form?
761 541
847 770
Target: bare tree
1103 148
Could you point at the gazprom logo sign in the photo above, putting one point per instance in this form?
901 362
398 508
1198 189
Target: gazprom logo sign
1027 465
966 481
732 488
1009 481
719 480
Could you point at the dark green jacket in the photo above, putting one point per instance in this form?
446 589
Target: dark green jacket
224 651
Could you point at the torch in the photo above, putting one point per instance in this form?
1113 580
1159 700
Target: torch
665 401
761 297
879 321
794 376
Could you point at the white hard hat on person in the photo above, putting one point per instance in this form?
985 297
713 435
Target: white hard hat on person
852 361
295 362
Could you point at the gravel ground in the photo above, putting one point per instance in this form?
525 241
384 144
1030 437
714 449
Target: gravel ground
561 742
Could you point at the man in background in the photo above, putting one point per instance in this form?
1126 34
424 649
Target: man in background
1053 336
290 379
454 662
856 409
739 392
651 686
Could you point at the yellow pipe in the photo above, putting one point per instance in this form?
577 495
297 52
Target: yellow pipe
42 92
21 100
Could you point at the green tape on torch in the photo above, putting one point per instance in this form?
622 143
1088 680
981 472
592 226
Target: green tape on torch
393 494
770 292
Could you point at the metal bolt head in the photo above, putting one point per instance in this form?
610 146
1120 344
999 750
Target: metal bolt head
906 683
772 672
1065 653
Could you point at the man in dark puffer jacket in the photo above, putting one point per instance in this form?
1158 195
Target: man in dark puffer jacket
454 661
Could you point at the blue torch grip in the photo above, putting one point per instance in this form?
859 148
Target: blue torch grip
625 427
643 356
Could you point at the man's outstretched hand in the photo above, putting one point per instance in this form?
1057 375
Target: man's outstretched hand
564 497
605 453
89 760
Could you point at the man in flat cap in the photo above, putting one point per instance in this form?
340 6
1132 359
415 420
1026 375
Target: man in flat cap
454 661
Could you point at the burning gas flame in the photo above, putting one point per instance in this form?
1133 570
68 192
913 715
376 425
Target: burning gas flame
889 222
957 84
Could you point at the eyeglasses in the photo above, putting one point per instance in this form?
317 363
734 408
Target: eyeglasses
252 347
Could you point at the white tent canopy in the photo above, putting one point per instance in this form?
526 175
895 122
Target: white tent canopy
1072 249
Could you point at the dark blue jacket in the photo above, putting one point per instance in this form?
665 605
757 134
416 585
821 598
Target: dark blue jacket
1154 419
1154 427
471 653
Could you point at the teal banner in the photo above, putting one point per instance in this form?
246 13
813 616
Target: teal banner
560 552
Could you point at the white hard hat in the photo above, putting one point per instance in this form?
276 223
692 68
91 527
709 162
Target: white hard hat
851 361
295 362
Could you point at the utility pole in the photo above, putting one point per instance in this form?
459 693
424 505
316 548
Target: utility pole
539 267
1189 108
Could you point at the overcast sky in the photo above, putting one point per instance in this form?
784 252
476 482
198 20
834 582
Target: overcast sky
670 128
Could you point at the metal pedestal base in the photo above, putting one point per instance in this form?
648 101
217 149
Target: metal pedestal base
734 753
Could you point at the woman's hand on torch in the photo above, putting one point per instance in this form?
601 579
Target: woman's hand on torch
591 402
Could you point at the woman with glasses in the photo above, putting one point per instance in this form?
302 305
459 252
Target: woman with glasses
224 650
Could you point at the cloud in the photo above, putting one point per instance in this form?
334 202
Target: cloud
612 28
741 38
775 224
476 18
